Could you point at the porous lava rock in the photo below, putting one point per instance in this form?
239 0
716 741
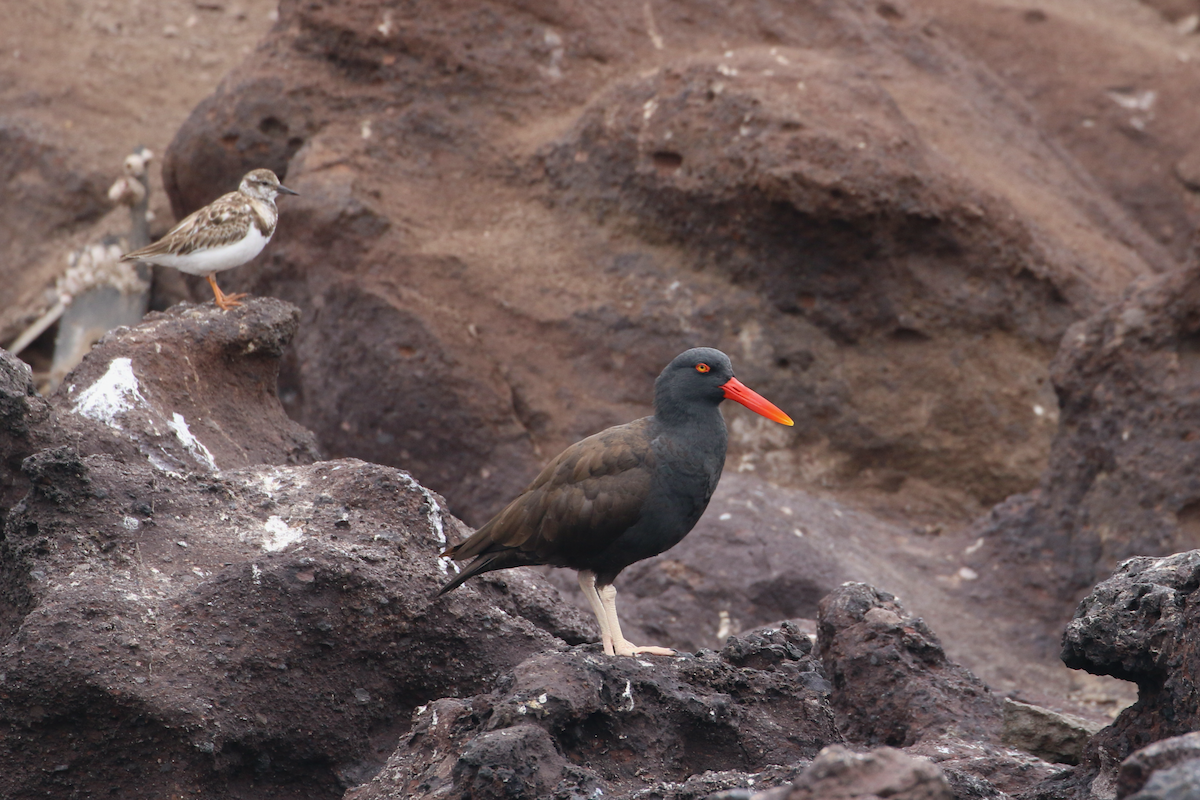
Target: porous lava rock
500 203
1140 625
171 625
578 724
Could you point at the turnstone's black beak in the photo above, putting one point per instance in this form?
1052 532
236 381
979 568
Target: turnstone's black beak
286 190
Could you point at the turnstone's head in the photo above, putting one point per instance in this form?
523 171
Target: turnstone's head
263 184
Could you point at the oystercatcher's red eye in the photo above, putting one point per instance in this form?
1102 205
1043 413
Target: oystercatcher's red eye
702 367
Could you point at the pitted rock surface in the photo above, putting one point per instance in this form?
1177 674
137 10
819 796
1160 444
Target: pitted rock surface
578 724
1140 625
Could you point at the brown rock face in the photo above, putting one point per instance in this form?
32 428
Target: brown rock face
1113 92
511 218
216 628
893 684
1122 478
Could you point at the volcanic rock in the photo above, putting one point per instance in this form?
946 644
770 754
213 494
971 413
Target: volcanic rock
893 684
184 617
1123 471
579 724
516 201
136 392
1139 625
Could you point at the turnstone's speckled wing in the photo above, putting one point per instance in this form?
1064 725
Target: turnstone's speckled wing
224 222
226 233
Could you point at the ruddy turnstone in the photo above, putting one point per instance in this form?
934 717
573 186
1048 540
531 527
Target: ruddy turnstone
224 234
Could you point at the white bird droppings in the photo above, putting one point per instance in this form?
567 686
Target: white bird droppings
114 394
279 534
190 442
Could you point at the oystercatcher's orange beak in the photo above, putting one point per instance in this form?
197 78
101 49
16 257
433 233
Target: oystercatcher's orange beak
737 391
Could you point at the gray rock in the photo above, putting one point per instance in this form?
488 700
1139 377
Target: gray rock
1137 773
1180 782
1055 737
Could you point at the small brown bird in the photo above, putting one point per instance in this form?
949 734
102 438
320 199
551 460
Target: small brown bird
224 234
624 494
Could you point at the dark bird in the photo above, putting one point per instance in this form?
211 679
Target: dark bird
625 494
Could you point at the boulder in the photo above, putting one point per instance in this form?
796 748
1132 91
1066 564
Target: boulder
1165 770
191 389
213 624
893 683
1047 734
1139 625
579 724
1122 479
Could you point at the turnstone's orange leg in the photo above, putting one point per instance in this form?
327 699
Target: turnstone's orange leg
223 301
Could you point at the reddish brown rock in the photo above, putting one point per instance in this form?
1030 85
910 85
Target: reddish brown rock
1123 472
893 684
512 217
189 390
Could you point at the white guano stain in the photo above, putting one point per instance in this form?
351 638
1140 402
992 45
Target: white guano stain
435 521
191 443
114 394
279 534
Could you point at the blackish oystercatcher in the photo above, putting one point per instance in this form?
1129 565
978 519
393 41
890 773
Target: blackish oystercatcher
625 494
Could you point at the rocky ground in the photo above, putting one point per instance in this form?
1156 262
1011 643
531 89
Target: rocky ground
952 239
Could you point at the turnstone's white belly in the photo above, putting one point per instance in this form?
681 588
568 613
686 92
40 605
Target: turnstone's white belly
216 259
